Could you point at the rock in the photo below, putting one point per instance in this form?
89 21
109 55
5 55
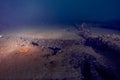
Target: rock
106 42
83 30
93 70
34 43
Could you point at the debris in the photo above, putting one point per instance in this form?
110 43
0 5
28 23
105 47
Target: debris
55 50
34 43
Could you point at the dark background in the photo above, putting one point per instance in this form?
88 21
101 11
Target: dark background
18 12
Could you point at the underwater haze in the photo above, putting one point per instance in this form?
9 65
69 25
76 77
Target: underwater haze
18 12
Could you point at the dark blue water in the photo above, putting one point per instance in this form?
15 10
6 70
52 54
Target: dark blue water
17 12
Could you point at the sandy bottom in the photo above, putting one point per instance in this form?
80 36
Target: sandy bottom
51 31
50 53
